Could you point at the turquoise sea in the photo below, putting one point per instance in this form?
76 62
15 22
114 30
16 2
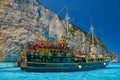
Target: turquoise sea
111 72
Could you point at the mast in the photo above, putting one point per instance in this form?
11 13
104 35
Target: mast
93 49
92 32
67 21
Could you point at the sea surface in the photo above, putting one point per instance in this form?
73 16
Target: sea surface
111 72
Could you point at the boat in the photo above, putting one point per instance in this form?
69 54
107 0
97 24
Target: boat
46 56
50 56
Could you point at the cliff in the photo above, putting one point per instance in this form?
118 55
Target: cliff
29 20
114 57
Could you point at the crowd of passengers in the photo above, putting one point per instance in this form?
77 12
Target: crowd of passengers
50 56
86 60
41 45
58 56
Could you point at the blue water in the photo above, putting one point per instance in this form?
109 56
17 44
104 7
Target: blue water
112 72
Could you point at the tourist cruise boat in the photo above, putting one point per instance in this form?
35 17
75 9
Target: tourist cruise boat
49 56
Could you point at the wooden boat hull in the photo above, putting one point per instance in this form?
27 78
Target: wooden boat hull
63 67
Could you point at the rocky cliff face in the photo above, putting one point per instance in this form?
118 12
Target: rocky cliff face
114 57
27 20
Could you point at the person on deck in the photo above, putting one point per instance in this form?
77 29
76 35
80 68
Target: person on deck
50 56
32 55
42 56
29 56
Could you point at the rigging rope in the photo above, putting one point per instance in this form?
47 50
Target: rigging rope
80 11
61 10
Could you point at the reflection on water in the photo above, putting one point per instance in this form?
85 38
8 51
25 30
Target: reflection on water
111 72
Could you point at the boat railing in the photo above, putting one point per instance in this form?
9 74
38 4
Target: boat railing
82 59
51 59
63 59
